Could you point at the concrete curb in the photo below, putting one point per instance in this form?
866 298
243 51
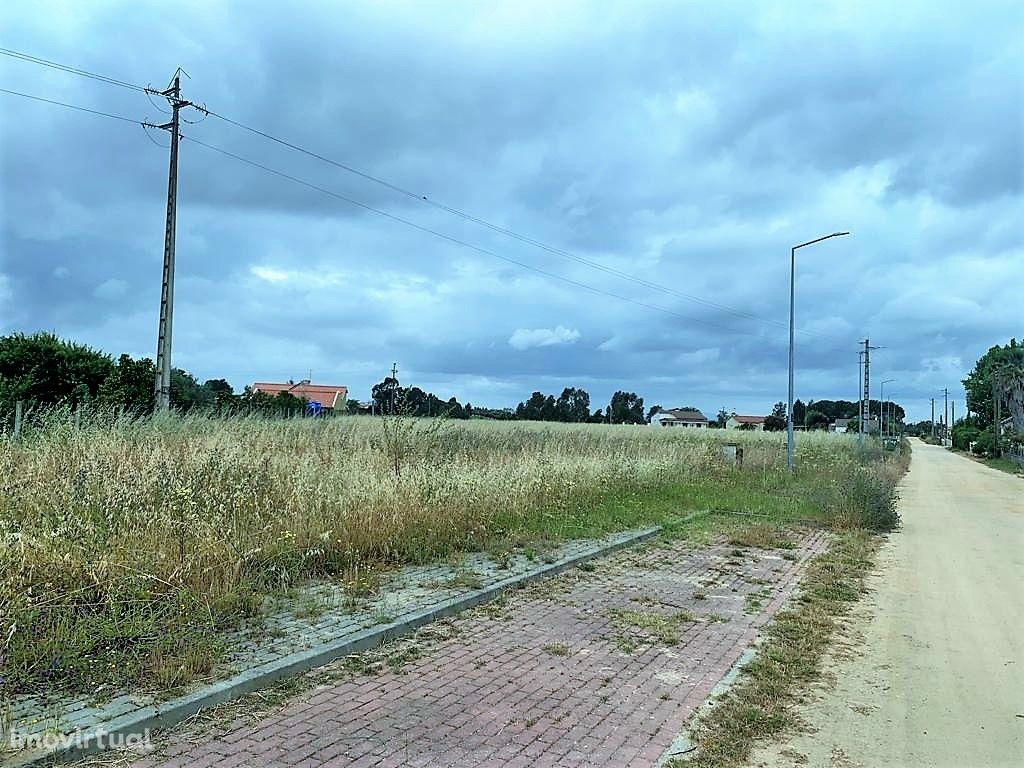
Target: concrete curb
685 746
168 713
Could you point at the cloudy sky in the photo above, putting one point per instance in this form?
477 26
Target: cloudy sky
684 145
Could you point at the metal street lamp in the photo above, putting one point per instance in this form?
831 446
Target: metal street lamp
881 405
790 444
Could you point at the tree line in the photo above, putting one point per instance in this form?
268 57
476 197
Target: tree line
43 369
997 373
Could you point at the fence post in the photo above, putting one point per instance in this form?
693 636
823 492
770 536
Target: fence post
18 409
78 416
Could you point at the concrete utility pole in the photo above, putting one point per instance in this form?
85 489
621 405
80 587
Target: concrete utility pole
790 442
860 396
933 418
945 414
394 385
865 409
162 385
997 415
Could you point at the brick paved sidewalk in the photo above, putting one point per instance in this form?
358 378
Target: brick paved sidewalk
597 667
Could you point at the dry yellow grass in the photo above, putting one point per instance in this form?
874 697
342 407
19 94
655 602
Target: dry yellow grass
125 544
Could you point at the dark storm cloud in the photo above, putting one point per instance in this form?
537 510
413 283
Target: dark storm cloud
690 145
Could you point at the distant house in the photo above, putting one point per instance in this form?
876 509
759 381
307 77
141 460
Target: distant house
680 417
845 425
328 397
745 422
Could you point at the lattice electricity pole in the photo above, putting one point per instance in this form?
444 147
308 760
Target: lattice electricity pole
162 385
865 409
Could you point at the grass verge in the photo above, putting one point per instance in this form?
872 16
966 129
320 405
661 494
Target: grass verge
762 703
1005 465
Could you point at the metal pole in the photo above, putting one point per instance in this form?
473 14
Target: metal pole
996 413
933 418
162 388
394 385
881 408
790 446
945 417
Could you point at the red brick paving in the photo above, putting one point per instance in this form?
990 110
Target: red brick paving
499 693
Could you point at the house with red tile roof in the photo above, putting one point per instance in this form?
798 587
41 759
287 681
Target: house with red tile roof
745 422
329 396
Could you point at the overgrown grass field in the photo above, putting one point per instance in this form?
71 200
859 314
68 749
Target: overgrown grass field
127 547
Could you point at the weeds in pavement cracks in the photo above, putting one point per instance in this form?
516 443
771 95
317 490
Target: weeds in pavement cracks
762 703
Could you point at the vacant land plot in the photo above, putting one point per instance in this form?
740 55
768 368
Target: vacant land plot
126 547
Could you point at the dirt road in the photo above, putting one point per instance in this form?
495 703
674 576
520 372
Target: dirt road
938 679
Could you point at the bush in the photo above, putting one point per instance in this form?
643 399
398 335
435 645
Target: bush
868 500
963 435
985 443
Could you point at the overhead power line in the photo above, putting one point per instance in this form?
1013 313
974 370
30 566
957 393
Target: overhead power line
496 227
459 242
72 70
393 217
71 106
424 199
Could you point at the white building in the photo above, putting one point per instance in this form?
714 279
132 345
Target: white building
680 417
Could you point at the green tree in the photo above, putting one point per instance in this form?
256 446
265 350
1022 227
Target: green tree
453 410
978 383
44 369
254 399
222 392
287 404
386 393
187 393
129 384
776 422
532 409
799 412
416 402
722 418
815 419
626 408
573 405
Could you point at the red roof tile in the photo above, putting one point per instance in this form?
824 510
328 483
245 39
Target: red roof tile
327 395
749 419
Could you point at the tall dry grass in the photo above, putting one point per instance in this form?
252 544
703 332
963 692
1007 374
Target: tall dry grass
125 545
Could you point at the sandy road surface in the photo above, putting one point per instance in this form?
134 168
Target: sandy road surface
939 677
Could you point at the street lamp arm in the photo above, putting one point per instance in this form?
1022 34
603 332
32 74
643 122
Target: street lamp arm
826 237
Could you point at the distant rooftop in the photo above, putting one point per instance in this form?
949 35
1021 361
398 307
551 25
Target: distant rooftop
749 419
328 395
685 414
